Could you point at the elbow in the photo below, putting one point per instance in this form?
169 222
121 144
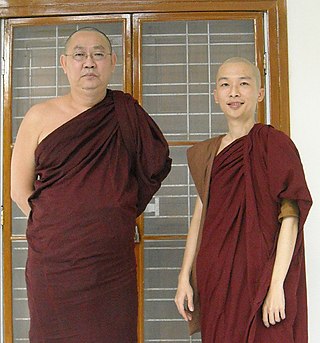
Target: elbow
21 200
17 196
14 195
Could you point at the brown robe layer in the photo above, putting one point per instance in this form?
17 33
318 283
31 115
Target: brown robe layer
242 191
81 270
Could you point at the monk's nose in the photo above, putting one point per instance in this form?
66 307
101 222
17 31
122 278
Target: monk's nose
234 91
90 62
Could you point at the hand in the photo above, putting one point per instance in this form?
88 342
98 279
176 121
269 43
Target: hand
273 309
184 299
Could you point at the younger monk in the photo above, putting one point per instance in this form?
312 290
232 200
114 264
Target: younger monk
245 243
84 166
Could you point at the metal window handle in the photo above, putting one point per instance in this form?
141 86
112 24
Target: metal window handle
136 235
154 207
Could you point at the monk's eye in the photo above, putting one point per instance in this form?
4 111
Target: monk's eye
79 56
99 55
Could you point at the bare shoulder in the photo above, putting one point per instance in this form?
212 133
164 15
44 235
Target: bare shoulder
39 112
36 118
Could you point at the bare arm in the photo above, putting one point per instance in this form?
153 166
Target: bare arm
22 163
184 291
273 309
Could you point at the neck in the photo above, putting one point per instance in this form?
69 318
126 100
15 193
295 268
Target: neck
87 98
239 129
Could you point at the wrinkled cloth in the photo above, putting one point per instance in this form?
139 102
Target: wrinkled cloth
81 267
248 181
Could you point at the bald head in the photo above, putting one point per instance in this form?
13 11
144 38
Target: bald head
255 70
88 29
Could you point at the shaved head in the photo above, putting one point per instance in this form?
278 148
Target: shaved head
254 68
88 29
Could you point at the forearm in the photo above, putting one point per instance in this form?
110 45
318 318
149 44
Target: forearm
184 290
191 243
22 180
273 309
285 247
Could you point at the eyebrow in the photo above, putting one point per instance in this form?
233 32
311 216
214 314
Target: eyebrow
225 78
96 47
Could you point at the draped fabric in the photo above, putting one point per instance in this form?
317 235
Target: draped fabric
249 178
81 269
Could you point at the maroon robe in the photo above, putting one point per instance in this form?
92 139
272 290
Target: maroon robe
81 270
249 178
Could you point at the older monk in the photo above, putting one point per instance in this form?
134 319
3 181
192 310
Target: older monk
84 166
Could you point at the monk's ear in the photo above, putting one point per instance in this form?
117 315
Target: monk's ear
113 60
63 62
261 94
215 96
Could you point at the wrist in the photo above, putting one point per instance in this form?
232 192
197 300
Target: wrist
276 284
184 276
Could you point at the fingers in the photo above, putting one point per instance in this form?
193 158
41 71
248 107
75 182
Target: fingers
272 316
265 317
179 300
190 303
184 303
273 309
282 314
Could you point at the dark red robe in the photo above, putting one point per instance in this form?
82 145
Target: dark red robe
81 270
249 178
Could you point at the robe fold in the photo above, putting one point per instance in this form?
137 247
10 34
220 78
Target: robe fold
81 268
247 182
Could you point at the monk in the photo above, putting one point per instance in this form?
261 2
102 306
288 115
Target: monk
242 278
84 166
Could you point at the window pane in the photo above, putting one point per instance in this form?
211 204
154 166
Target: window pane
161 319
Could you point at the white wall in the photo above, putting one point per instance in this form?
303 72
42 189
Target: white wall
304 77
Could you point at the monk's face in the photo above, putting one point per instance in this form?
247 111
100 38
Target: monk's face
88 62
238 91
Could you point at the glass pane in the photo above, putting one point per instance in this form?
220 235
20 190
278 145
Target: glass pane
161 320
20 302
180 60
171 208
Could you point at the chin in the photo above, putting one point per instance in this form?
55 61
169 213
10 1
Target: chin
90 86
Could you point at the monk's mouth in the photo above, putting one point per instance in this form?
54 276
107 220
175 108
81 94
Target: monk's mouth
235 105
